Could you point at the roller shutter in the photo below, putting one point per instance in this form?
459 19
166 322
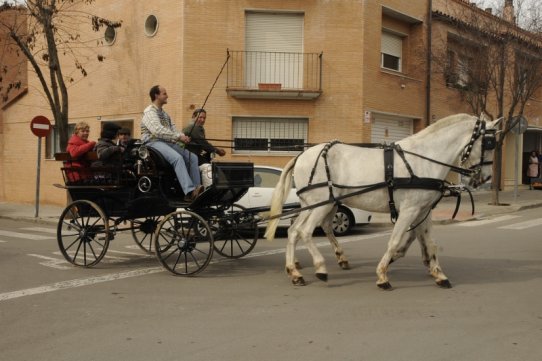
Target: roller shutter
274 45
387 128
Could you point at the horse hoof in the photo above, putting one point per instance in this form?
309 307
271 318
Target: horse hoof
444 284
299 281
384 286
344 265
322 276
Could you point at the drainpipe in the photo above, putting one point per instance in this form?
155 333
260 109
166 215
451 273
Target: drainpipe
428 60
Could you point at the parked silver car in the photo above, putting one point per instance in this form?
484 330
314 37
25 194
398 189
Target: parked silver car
265 180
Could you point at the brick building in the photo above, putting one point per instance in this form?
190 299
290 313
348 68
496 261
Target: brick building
297 72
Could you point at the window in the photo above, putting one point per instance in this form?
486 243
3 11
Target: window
110 35
52 142
391 50
274 49
527 68
466 64
278 135
151 25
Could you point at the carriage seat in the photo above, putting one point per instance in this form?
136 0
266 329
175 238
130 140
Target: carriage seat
65 156
159 159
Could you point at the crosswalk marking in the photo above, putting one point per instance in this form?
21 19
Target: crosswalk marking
40 229
35 237
52 262
487 221
524 225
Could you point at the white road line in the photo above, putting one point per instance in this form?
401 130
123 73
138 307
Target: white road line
145 271
524 225
56 263
78 283
40 229
34 237
3 241
487 221
131 253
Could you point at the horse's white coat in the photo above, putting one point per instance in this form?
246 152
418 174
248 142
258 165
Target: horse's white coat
349 165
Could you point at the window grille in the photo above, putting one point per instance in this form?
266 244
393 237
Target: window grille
269 134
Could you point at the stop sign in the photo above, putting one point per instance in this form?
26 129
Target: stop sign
40 126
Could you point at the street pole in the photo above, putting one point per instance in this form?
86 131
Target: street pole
516 168
38 180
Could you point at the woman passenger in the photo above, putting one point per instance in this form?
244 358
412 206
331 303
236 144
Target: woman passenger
78 147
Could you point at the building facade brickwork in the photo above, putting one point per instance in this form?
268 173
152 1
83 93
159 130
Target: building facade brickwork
187 50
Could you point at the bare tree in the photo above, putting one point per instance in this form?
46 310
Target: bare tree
496 67
47 34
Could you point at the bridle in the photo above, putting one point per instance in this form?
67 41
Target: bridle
489 142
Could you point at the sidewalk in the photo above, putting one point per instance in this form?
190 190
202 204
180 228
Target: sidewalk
509 201
441 214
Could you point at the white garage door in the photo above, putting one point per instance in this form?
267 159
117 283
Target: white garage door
388 129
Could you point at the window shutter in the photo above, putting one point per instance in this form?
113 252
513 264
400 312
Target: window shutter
392 44
274 45
273 32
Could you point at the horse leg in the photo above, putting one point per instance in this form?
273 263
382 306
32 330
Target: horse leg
398 240
429 254
401 251
291 262
303 229
327 227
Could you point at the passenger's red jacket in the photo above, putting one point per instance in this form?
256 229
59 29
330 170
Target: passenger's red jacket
77 148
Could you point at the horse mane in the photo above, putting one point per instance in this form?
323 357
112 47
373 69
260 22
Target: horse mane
444 123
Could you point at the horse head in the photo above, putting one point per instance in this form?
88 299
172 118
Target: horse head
477 156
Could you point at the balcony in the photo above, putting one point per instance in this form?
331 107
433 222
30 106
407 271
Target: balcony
274 75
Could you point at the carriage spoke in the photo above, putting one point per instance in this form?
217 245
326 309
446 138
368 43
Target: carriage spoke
88 228
184 238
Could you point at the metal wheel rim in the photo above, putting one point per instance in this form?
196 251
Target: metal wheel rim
180 249
233 243
82 240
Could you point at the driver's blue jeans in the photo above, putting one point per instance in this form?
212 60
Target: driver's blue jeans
184 162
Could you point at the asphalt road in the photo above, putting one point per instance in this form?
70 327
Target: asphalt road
127 308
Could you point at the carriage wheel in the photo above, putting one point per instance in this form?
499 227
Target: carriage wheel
83 233
236 234
180 247
143 231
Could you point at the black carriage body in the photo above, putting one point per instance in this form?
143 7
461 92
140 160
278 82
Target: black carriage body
145 192
146 186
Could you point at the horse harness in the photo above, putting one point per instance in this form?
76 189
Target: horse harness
393 183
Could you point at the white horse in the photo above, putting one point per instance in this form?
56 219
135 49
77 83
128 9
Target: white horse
329 171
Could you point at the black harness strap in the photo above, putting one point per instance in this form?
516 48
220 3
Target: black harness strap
388 177
323 153
401 153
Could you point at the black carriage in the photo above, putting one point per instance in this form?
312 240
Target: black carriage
143 196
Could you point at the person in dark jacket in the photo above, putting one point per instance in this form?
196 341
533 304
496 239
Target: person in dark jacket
108 151
199 144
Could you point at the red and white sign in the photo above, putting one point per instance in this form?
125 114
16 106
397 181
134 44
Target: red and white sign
40 126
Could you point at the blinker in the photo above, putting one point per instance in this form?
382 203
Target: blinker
489 142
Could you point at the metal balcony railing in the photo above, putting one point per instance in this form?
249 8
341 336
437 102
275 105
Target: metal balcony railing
274 71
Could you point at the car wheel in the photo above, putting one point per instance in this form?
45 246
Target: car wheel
342 222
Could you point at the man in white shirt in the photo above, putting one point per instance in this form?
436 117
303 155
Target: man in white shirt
159 133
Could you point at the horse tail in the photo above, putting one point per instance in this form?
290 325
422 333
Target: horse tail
279 195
